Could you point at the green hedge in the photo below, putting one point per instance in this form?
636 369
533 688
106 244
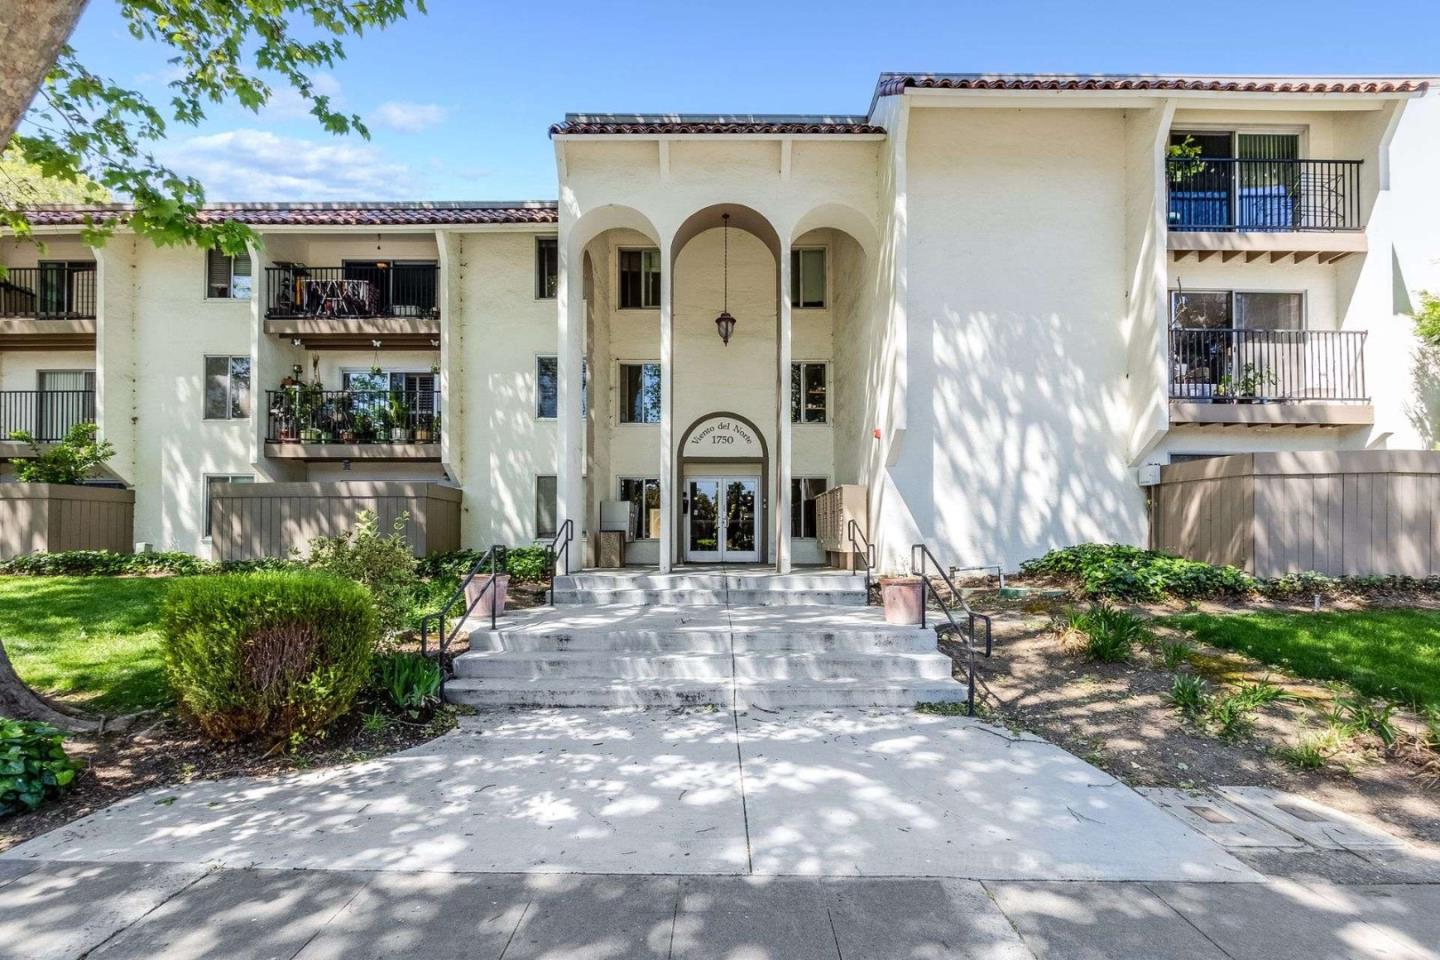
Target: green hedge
275 655
33 765
104 563
1122 572
1119 572
523 564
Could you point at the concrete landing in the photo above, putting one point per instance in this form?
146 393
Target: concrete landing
822 794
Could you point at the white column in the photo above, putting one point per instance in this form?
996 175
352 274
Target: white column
569 475
667 414
783 466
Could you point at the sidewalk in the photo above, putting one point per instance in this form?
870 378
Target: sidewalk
51 911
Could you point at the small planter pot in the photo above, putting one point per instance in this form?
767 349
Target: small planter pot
495 595
422 436
309 436
399 435
904 600
347 436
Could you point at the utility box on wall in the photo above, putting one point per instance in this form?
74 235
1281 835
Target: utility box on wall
834 510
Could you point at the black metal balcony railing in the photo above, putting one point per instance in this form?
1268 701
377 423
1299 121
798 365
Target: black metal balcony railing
45 414
401 290
1268 366
52 292
1263 195
306 415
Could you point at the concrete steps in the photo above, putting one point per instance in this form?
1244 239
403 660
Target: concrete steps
840 692
715 667
751 639
708 589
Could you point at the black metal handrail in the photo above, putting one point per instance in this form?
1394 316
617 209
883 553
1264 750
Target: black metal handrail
309 415
919 555
57 291
495 558
563 536
859 544
356 290
47 415
1227 193
1268 366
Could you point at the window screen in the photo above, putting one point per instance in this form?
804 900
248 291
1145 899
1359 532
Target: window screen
803 493
547 267
546 506
644 496
807 277
807 393
228 278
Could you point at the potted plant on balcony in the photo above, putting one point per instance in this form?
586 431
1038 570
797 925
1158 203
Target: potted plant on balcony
399 412
364 428
424 428
1246 387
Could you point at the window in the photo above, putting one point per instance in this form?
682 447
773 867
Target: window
546 507
639 393
807 393
547 267
66 288
547 388
208 482
227 388
1237 309
644 496
803 493
640 279
227 277
65 398
807 277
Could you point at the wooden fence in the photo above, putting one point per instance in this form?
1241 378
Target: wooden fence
253 520
1341 513
50 517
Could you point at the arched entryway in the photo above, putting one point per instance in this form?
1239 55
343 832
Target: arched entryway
723 475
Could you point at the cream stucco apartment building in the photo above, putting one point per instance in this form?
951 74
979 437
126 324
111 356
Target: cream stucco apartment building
990 301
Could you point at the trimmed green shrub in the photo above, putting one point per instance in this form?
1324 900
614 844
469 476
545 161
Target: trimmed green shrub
278 655
33 765
382 564
72 460
88 563
523 564
1122 572
408 681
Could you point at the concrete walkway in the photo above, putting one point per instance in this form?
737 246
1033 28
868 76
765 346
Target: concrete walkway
137 911
823 794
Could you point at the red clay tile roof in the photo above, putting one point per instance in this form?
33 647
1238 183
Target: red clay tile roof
893 83
359 214
680 124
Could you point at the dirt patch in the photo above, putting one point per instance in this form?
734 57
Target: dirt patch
1119 717
170 751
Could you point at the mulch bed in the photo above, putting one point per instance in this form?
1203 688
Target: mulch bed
170 751
1118 717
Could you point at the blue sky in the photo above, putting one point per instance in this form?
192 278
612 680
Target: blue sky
458 101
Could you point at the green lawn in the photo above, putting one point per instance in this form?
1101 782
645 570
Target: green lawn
1384 653
92 641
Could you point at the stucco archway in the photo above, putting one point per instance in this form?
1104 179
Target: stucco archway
762 462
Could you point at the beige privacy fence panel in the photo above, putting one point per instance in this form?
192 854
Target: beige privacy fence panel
1341 513
253 520
50 517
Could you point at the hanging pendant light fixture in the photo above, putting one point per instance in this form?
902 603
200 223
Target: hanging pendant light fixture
725 323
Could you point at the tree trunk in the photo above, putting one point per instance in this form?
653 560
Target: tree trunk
31 35
19 702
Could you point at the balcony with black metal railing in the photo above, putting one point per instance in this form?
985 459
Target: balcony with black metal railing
1270 377
353 305
307 423
45 415
1300 208
52 305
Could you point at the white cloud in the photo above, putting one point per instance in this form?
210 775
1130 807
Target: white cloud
259 165
408 117
286 104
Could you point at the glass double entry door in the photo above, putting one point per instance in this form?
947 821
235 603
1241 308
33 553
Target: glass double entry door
722 522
